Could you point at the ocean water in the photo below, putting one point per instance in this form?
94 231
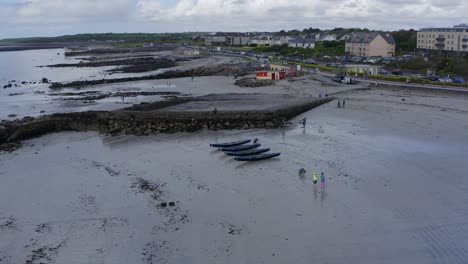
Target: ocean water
29 97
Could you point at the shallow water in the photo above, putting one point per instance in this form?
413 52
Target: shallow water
34 100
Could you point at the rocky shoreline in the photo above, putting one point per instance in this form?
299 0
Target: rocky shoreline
195 72
145 120
131 65
253 82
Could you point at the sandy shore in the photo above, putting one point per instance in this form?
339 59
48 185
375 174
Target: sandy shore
396 191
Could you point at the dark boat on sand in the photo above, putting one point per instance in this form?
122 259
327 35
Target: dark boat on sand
258 157
248 152
230 144
243 147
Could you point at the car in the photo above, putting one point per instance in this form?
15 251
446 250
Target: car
417 76
433 78
397 72
445 80
459 80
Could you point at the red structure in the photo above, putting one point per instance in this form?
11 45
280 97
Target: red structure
271 75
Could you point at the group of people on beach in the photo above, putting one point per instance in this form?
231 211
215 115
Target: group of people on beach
315 178
341 103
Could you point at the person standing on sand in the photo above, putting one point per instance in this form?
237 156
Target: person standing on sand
304 122
322 181
344 103
315 177
339 104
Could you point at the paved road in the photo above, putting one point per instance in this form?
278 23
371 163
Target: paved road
396 84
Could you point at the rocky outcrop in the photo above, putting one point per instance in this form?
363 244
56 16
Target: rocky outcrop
253 82
131 65
201 71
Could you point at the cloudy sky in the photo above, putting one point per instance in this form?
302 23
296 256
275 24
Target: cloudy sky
22 18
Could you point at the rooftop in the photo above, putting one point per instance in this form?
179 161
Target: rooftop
456 28
362 37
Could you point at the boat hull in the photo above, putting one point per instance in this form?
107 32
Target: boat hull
248 152
258 157
230 144
239 148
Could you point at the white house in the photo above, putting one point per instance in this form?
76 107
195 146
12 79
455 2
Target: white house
328 37
299 42
262 41
285 39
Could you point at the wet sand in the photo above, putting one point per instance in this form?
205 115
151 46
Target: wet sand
396 191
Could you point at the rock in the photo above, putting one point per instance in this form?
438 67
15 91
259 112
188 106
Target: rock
252 82
42 111
163 205
171 204
269 124
12 115
45 80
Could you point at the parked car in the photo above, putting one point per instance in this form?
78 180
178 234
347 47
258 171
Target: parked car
445 80
433 78
417 76
343 78
459 80
397 72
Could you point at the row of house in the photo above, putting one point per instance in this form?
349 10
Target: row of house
244 39
366 44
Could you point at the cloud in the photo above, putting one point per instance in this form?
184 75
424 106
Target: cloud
225 15
76 10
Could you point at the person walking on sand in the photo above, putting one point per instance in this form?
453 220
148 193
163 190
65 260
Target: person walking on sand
344 103
339 104
322 181
315 177
304 122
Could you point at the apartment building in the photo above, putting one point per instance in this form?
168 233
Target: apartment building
370 45
215 39
238 39
450 40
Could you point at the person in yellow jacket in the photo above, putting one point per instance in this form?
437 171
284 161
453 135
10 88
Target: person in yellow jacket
315 177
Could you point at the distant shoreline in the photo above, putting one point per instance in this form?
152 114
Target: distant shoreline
36 46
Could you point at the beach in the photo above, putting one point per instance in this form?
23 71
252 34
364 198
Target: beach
396 190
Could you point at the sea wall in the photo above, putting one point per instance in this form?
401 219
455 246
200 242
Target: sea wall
150 122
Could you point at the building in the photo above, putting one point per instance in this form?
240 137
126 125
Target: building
271 75
299 42
361 68
449 40
238 39
370 45
262 41
186 51
279 67
327 37
215 39
285 40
